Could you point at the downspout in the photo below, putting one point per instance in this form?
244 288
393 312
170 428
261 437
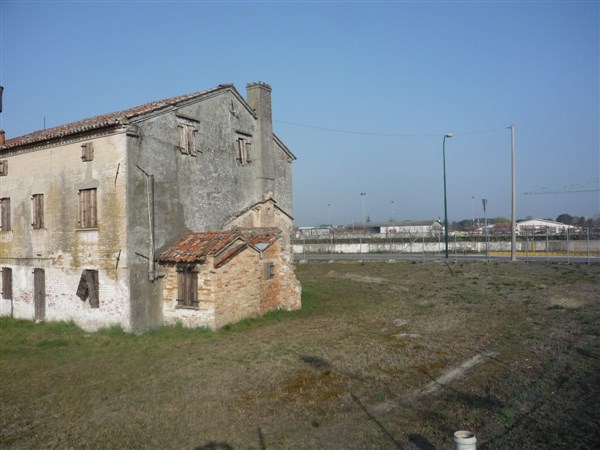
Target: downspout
150 198
151 264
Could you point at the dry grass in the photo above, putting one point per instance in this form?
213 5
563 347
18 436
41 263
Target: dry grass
365 364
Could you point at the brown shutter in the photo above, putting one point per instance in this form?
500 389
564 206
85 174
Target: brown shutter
38 211
92 285
193 287
6 283
93 209
5 211
180 286
88 210
82 288
3 167
87 151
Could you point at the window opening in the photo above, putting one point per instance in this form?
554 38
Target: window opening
187 285
88 217
5 214
269 270
7 283
87 151
37 220
88 287
187 139
244 156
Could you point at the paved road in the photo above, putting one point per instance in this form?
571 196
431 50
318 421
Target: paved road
451 257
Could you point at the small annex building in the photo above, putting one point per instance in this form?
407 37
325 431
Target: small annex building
216 278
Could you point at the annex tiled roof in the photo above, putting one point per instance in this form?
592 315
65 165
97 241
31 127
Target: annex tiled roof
194 247
111 119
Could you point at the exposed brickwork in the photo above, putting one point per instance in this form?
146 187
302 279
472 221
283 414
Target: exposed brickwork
234 290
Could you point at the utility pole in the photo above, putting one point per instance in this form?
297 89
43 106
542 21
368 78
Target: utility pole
513 224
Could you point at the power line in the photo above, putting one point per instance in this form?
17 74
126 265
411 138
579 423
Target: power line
369 133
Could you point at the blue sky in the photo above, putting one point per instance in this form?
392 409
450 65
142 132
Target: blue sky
363 92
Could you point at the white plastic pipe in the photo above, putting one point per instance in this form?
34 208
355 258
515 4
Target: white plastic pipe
464 440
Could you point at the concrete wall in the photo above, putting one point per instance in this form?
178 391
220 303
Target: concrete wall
61 247
580 247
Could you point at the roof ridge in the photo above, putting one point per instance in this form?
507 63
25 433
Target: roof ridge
108 119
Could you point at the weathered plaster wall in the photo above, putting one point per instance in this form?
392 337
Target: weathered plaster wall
62 248
191 193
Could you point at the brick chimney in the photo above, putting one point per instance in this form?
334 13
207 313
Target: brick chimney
2 137
259 99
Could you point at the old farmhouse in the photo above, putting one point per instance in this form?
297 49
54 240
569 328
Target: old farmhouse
177 210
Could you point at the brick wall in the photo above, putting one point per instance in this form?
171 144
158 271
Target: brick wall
234 291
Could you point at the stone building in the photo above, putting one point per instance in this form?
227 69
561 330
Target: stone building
85 208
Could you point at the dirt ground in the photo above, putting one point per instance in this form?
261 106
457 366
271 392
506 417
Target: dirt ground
382 356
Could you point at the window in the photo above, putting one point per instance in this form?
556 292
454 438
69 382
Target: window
269 271
87 151
37 208
187 285
6 283
88 287
5 214
87 208
187 138
243 151
3 168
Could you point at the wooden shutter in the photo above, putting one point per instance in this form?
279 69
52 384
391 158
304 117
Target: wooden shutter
6 283
187 285
87 208
192 140
183 144
87 151
39 294
92 286
5 212
3 167
38 211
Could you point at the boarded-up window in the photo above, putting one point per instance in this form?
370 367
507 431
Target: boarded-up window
87 208
243 151
3 167
269 271
6 283
188 137
187 285
88 287
87 151
37 207
5 214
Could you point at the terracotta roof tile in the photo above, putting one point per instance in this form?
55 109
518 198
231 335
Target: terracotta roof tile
106 120
194 247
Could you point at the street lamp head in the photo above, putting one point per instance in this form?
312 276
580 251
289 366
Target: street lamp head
448 135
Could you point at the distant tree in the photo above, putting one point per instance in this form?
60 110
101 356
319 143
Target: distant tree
565 218
501 220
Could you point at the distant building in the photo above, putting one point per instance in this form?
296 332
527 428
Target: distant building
407 228
543 226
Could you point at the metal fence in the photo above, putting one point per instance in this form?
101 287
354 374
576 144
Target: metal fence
585 243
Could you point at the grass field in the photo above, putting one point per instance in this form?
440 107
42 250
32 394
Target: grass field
382 355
